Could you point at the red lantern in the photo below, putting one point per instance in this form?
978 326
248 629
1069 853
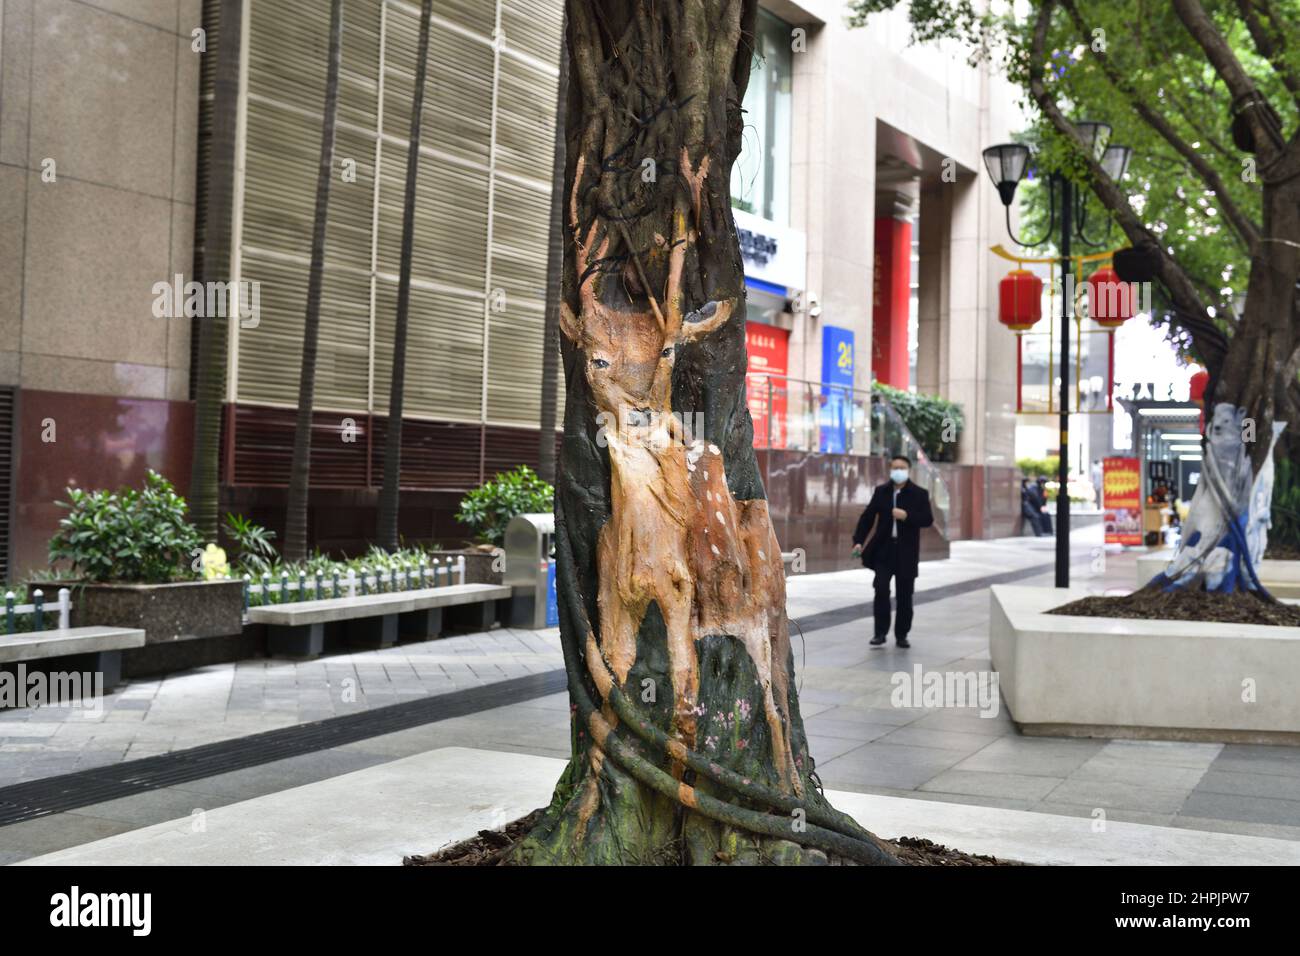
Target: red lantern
1020 299
1111 301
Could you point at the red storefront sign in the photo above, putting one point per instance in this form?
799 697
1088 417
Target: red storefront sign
1121 486
769 362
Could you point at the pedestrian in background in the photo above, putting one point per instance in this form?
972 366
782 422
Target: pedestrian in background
888 537
1044 519
1030 507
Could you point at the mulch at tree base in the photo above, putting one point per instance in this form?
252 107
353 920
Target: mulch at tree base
1186 604
1281 552
489 846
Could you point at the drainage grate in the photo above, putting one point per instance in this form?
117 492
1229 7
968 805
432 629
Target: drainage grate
39 798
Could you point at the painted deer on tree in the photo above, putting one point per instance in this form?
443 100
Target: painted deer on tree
676 536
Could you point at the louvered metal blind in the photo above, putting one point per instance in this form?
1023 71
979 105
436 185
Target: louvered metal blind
478 286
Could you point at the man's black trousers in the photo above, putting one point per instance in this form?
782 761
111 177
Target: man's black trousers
886 566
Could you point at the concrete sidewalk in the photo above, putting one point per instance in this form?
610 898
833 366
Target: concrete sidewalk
860 741
147 717
421 803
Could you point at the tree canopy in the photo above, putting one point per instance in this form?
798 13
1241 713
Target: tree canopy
1143 67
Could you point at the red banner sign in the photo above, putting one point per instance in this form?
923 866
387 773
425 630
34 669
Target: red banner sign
1121 485
769 362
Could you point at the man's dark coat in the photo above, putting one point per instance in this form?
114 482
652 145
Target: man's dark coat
876 526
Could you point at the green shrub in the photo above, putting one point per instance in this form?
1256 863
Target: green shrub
1285 532
255 552
935 422
376 562
128 535
489 508
1047 467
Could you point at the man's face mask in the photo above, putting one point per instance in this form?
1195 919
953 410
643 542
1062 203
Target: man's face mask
898 475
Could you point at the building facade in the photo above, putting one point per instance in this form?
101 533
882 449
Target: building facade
862 213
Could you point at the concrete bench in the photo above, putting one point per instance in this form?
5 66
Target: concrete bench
376 620
94 649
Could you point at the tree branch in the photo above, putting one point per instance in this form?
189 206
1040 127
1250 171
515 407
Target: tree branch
1246 96
1240 223
1189 308
1270 44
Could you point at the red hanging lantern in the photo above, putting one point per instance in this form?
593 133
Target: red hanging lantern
1020 299
1111 301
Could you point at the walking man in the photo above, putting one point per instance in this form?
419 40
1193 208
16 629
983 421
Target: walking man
888 538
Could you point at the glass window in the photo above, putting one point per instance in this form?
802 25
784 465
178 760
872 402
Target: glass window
760 179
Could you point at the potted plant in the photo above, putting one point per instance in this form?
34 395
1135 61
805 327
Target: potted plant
488 509
136 561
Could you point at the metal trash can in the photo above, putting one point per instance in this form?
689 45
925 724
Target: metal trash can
530 571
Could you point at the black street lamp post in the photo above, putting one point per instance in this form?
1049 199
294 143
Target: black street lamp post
1007 164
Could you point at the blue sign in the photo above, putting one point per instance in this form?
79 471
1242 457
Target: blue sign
836 415
552 605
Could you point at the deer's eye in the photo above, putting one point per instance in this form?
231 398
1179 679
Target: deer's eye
599 363
667 352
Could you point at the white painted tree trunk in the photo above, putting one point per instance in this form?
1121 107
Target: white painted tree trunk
1226 532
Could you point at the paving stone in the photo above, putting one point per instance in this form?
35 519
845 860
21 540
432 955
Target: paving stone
1227 806
885 766
56 832
1035 756
1275 786
943 739
1170 752
859 732
1125 796
964 722
976 783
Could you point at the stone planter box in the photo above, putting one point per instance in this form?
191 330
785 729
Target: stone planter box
478 565
165 612
1164 680
1281 578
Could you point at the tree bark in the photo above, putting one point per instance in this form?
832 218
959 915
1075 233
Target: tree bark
554 287
213 332
390 492
295 536
688 745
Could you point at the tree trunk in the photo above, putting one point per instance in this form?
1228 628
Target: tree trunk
1226 532
389 494
688 745
554 287
295 536
1252 372
213 332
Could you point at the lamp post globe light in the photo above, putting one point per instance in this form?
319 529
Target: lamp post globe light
1007 164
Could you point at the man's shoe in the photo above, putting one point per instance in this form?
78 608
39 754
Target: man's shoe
878 640
902 642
